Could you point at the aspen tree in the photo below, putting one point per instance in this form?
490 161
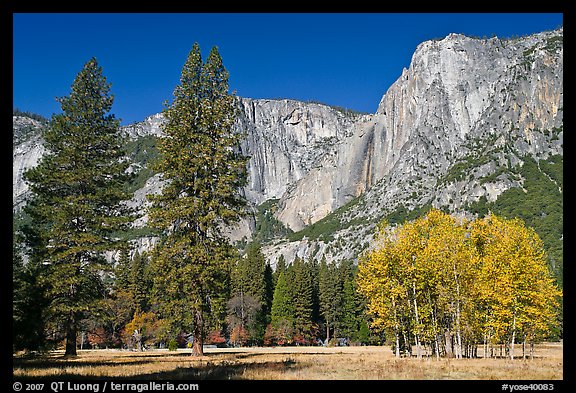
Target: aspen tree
482 281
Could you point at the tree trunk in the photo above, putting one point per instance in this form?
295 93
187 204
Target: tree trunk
524 348
396 328
416 335
448 339
458 335
71 335
435 329
407 344
138 339
198 333
513 337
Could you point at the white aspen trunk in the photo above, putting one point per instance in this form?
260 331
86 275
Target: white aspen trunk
458 335
490 345
458 340
417 336
524 348
396 328
435 329
407 343
513 337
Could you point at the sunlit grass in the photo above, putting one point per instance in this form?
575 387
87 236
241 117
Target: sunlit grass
295 363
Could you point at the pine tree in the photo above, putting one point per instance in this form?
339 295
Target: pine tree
130 293
201 163
330 296
248 293
313 267
282 313
76 210
140 281
302 297
122 270
350 323
268 292
28 302
280 268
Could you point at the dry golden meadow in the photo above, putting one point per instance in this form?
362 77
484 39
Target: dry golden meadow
288 363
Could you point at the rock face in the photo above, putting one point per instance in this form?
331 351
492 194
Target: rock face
152 125
456 90
444 134
27 149
461 90
288 142
463 110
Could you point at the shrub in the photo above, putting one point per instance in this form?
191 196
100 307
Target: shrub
172 345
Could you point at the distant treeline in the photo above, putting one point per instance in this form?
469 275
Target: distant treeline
31 115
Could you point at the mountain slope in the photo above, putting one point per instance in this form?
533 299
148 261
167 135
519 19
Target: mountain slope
455 129
463 127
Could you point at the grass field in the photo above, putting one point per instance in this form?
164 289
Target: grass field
287 363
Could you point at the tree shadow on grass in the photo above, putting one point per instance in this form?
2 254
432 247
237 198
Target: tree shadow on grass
51 363
220 371
211 370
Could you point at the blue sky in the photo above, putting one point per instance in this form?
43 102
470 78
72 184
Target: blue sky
344 59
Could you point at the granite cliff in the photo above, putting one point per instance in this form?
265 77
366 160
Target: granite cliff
450 132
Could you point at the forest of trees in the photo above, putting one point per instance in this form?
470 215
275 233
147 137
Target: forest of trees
193 288
451 284
440 284
304 303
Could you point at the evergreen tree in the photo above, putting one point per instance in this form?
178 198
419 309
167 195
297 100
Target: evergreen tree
119 306
350 323
302 297
313 267
130 293
28 302
248 293
330 296
282 313
76 209
122 270
249 273
201 163
280 268
268 292
140 281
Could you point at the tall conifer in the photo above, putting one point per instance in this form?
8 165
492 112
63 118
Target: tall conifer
76 209
204 171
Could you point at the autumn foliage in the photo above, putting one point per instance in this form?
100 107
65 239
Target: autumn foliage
451 284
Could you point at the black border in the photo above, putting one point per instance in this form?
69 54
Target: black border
105 6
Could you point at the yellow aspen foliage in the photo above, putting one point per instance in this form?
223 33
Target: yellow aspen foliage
449 284
515 289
